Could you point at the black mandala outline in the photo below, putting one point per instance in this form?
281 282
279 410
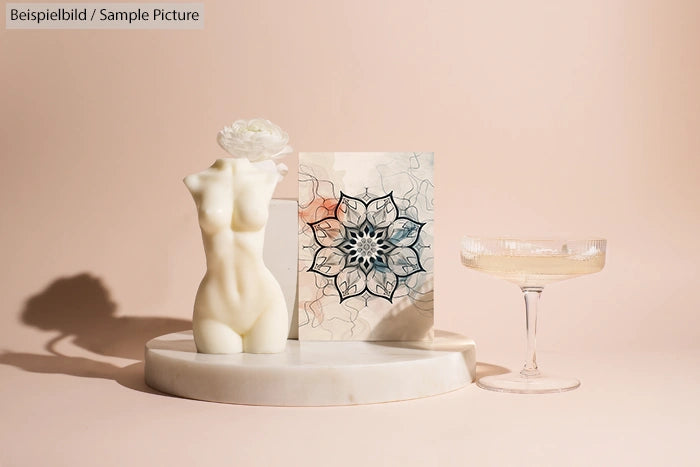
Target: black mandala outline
363 238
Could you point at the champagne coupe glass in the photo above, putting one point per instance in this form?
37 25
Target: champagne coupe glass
531 264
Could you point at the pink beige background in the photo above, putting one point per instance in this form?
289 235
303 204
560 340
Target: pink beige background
545 117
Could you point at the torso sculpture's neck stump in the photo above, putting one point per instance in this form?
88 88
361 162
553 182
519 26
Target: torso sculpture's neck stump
239 304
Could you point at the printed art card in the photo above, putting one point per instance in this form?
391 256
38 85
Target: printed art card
366 246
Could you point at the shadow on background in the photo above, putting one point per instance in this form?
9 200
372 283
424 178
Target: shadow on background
487 369
79 308
406 321
450 342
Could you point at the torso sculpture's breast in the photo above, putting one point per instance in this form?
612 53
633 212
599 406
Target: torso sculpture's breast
250 208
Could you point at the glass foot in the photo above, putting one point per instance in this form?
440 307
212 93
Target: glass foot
515 382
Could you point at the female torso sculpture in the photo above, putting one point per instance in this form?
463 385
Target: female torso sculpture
239 306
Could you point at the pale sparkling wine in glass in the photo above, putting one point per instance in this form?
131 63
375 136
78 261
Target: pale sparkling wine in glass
536 270
532 264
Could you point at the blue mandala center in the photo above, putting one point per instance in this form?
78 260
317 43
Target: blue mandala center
366 247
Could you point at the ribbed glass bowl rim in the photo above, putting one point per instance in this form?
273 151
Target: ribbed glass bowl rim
469 242
534 239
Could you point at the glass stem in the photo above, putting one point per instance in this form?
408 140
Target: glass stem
532 299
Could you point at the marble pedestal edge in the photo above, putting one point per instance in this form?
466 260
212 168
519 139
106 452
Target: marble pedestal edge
312 373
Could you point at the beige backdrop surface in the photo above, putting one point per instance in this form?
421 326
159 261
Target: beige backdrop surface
545 117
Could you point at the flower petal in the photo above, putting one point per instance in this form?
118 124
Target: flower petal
352 212
403 261
381 212
350 282
282 152
382 282
404 232
328 262
256 139
329 232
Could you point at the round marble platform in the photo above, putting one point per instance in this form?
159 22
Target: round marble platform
312 373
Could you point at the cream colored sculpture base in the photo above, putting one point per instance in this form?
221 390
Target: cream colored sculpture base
313 373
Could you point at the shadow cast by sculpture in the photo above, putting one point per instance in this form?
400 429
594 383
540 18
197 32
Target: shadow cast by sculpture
79 308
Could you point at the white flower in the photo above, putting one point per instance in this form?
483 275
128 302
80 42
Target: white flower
257 139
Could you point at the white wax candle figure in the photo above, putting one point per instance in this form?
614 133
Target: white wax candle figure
239 306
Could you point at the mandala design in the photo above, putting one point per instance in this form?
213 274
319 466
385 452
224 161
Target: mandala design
366 247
